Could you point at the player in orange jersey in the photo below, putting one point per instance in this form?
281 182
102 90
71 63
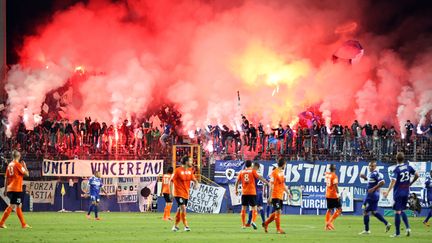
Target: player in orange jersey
166 193
247 177
333 201
277 188
15 173
180 185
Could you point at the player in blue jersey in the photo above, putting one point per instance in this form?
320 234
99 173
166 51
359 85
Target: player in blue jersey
269 208
400 184
259 198
96 185
370 203
428 198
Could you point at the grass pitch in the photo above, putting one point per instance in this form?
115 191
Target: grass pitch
139 227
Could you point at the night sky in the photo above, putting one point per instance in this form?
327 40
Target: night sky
23 16
407 18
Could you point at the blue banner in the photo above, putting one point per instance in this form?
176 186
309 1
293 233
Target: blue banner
312 173
226 171
309 176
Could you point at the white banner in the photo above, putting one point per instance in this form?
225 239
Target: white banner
314 197
235 199
127 190
205 199
295 201
109 168
110 185
2 196
127 197
41 191
420 168
296 192
146 191
386 202
347 199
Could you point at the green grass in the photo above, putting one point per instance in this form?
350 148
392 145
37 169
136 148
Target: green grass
225 228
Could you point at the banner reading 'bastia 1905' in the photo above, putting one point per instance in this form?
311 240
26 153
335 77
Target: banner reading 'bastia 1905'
108 168
312 173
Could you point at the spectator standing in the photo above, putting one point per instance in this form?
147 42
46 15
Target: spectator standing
111 137
245 130
333 138
61 132
375 140
68 134
409 128
369 132
95 128
307 141
147 130
289 134
139 135
83 132
355 133
237 141
46 132
87 130
53 134
347 136
216 133
315 132
391 137
22 132
324 136
280 135
261 134
359 139
253 137
76 131
155 138
125 129
383 139
299 140
165 135
103 136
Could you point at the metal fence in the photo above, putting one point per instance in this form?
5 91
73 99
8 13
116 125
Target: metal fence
338 148
331 148
334 148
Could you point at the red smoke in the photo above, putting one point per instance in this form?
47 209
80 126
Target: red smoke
199 53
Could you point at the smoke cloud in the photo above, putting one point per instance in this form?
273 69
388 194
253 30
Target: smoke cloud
123 57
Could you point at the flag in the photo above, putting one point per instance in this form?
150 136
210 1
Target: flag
63 191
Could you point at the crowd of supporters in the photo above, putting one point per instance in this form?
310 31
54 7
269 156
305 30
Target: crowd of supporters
353 141
151 134
145 137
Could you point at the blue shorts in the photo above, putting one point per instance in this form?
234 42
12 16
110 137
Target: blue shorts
370 205
259 200
400 203
95 198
